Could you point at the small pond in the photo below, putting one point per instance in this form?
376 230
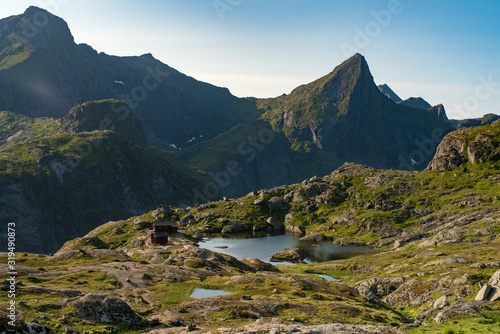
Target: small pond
207 293
263 247
327 277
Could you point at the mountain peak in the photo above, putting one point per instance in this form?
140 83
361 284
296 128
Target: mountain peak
32 10
37 27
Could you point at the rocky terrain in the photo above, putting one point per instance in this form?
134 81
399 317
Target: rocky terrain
433 266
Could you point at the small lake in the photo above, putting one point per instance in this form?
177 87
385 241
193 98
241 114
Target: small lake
327 277
208 293
263 247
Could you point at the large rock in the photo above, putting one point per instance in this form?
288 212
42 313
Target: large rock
414 293
291 255
490 291
313 237
294 229
104 308
460 308
275 203
441 302
275 223
495 279
380 286
449 153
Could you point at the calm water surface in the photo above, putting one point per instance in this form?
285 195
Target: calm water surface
263 247
208 293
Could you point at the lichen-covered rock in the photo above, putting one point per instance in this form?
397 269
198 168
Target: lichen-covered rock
275 223
313 237
292 255
414 293
259 265
381 286
104 308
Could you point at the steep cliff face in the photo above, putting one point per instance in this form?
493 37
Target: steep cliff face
44 73
468 147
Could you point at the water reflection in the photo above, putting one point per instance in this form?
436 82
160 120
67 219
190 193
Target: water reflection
327 277
262 247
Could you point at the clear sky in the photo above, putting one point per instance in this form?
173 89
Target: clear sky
444 51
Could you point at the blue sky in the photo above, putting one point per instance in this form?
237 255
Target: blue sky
444 51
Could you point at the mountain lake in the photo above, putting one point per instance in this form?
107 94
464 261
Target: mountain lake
263 247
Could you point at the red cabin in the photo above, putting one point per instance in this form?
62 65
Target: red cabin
169 227
159 238
159 234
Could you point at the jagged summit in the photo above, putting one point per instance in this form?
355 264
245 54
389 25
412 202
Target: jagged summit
345 113
387 91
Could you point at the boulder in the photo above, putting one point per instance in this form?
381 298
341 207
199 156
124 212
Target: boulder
414 293
427 243
275 203
104 308
292 255
313 237
495 279
460 308
275 223
378 180
297 198
483 292
260 201
380 286
294 229
494 294
259 265
441 302
484 232
140 224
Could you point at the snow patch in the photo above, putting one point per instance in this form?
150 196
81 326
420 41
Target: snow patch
119 82
174 146
191 140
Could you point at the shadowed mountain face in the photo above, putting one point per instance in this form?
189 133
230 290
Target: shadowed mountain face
44 73
416 102
344 116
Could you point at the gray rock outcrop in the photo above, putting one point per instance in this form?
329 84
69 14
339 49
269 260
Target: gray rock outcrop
104 308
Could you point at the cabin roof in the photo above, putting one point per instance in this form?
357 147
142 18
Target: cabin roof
167 223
